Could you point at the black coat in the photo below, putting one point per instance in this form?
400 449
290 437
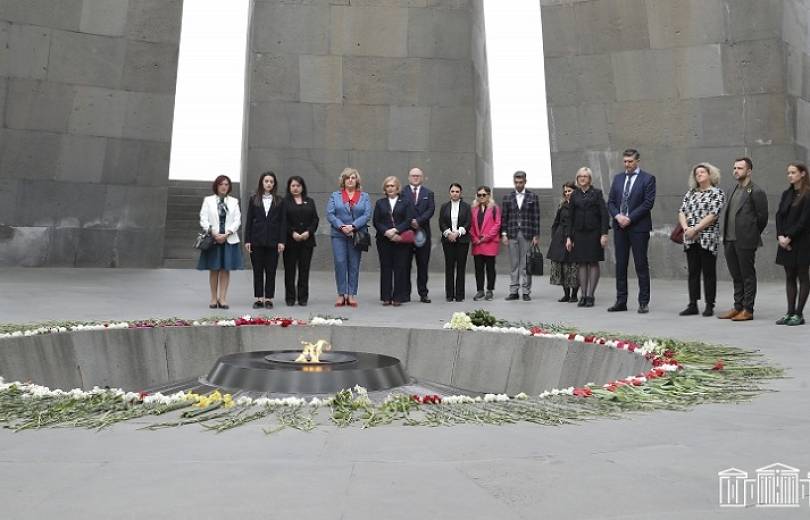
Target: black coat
556 247
265 230
752 216
793 221
464 220
588 213
401 217
301 217
423 208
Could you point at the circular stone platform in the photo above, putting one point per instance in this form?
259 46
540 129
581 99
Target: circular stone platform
277 372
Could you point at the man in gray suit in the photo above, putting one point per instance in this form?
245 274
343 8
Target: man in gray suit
745 220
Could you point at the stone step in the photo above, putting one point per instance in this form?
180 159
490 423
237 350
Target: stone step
179 263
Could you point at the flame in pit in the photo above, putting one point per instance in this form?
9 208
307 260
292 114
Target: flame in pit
312 351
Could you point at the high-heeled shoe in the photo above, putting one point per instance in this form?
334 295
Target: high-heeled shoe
351 303
342 302
223 305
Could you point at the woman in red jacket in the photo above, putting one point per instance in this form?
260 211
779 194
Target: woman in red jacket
485 229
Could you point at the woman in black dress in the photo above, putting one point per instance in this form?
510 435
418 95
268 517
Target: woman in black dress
302 223
563 271
793 232
587 234
265 228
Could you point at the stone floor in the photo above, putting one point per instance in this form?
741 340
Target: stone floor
660 465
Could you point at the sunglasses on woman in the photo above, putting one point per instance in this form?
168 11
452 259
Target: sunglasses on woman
482 195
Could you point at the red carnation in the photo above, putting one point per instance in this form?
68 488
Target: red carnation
572 336
286 322
719 365
142 394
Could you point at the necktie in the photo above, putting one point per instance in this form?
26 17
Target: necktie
625 209
415 194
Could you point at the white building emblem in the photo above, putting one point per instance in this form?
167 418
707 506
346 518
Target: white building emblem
776 485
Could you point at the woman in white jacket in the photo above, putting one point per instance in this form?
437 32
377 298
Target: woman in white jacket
221 217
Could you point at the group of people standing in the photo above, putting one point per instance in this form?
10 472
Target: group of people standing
286 225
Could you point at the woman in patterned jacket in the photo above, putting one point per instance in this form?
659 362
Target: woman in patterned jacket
699 218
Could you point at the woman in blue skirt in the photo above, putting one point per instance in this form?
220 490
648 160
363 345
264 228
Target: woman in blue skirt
221 217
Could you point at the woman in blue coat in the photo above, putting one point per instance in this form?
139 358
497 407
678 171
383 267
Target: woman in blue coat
348 212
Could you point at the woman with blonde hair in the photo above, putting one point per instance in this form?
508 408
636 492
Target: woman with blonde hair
392 221
348 212
699 217
587 234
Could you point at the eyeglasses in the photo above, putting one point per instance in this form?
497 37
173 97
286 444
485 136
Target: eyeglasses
481 195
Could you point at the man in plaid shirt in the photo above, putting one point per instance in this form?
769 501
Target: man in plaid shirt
520 229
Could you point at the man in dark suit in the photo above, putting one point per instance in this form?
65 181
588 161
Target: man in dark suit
631 199
520 229
425 205
745 220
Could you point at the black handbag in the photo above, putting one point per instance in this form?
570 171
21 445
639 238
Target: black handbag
534 261
361 240
204 241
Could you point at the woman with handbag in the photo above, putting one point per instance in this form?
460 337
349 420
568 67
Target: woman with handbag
699 217
265 236
302 223
455 219
564 272
220 217
793 233
348 212
484 234
587 234
392 220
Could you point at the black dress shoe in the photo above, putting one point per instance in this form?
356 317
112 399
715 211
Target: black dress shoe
424 299
512 297
289 303
690 310
302 303
582 302
709 310
258 304
643 309
527 298
617 307
564 299
450 300
268 304
478 296
589 301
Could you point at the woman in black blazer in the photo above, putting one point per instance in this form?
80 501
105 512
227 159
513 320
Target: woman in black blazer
587 234
265 233
302 223
392 217
793 232
455 218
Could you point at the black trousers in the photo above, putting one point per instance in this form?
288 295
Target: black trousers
455 262
701 261
297 257
742 268
393 270
422 256
265 262
483 262
624 242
